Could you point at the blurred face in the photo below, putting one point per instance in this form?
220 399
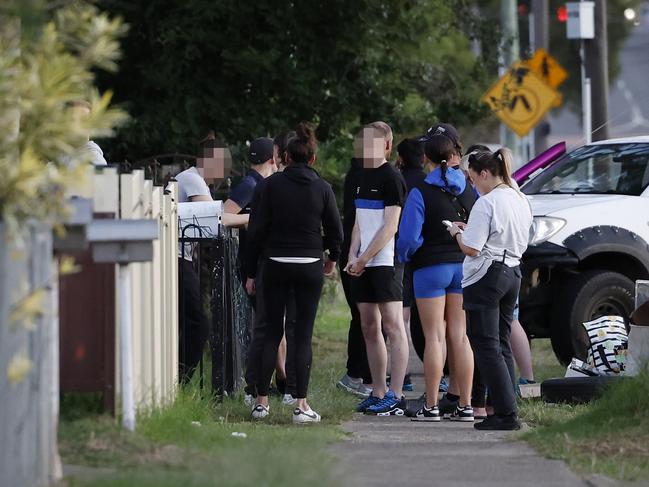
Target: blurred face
214 164
370 147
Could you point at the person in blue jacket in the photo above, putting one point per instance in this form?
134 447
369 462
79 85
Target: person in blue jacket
436 260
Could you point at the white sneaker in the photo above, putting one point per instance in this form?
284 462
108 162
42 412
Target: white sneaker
260 411
288 400
303 417
249 400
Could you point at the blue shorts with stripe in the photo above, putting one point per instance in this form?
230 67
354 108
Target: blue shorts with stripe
438 280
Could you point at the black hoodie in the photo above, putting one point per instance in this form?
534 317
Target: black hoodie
295 208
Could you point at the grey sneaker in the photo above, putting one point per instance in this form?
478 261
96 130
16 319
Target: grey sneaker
355 386
288 400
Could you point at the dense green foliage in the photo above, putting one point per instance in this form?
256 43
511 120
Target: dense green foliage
47 58
248 69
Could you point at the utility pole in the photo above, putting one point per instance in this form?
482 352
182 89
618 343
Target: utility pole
597 70
510 53
541 23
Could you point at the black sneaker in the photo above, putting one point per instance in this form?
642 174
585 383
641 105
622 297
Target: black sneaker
414 405
464 414
447 407
427 414
499 423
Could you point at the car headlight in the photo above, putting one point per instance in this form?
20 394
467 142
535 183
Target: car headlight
544 228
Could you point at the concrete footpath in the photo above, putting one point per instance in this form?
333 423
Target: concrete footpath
397 451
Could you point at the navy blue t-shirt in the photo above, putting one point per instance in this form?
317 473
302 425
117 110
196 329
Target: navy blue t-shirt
242 194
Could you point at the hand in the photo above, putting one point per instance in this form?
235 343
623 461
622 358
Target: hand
356 267
454 229
250 287
329 267
460 225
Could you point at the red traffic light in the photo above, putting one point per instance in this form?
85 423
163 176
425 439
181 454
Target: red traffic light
562 14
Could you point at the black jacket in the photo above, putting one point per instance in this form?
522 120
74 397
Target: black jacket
413 176
438 246
295 208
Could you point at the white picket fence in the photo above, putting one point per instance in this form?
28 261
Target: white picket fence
29 407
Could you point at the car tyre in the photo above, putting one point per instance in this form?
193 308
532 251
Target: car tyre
589 295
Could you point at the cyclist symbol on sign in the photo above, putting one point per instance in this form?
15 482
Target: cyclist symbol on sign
517 102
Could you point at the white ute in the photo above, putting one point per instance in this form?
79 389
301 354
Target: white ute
590 242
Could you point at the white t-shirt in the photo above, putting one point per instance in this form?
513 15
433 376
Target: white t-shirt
499 221
95 153
190 184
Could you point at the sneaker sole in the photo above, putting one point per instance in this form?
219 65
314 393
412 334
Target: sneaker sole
462 420
351 390
426 420
396 412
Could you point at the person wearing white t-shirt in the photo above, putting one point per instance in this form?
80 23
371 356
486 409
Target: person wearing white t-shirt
193 326
493 241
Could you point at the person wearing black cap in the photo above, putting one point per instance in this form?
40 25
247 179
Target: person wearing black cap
436 260
236 209
236 213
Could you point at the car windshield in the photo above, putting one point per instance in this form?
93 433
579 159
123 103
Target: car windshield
596 169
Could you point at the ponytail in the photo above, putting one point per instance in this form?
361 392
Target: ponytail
498 164
303 146
443 169
504 158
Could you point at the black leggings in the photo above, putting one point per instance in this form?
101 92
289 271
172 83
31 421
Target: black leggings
306 281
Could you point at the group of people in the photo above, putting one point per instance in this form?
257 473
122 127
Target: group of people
447 240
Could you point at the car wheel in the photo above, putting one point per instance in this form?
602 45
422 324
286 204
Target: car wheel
588 296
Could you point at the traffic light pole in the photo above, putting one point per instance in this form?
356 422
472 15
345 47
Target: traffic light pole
596 51
510 53
539 38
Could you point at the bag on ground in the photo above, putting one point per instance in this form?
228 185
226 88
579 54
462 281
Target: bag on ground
608 343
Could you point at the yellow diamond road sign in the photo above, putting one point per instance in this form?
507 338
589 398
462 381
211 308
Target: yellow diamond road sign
547 68
520 99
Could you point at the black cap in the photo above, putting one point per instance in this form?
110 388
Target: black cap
445 129
261 150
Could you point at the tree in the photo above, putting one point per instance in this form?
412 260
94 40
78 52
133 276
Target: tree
46 58
252 68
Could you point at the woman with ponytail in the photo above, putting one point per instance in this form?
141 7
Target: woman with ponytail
436 260
494 240
296 221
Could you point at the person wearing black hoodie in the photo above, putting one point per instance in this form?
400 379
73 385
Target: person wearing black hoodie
295 222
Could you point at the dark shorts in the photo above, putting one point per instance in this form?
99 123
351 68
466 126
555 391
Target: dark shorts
382 284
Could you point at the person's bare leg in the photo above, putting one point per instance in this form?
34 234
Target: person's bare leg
460 352
280 366
406 322
431 313
377 355
392 316
521 350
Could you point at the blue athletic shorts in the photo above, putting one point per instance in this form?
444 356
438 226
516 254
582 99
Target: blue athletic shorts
438 280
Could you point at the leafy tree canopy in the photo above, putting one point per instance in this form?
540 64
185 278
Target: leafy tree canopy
248 69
